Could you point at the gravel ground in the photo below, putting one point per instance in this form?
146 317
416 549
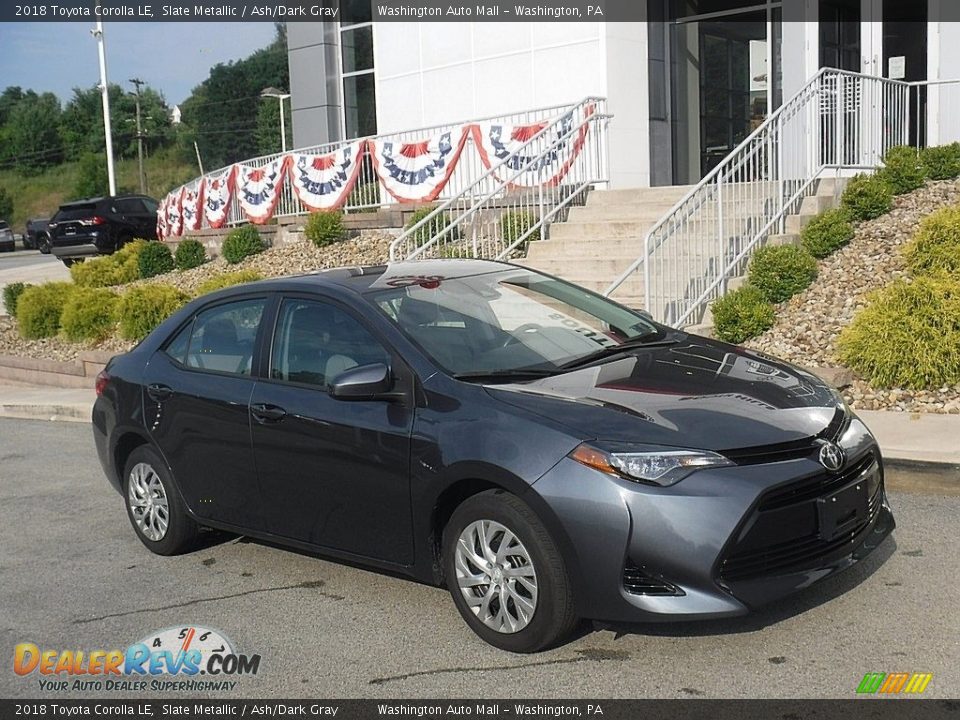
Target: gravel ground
294 258
808 324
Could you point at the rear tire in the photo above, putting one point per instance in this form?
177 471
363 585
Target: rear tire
43 244
506 574
154 507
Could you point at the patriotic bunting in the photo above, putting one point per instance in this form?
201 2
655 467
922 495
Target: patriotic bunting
497 143
216 198
323 182
258 189
191 203
174 215
417 172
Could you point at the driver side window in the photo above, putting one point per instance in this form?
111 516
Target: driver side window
221 339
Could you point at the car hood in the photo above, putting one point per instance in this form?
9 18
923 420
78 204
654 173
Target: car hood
695 393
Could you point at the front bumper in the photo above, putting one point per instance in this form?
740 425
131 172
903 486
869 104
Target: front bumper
720 542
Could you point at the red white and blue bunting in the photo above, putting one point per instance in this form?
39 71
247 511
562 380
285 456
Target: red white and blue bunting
500 143
217 190
258 188
417 172
174 215
191 205
323 182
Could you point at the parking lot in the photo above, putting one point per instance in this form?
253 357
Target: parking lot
75 577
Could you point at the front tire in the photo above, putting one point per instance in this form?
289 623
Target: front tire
506 575
154 507
43 244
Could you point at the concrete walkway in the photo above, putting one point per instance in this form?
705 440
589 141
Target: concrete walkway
906 437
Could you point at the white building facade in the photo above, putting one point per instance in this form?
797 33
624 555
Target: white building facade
684 87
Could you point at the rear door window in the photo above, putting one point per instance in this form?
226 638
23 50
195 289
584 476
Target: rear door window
221 339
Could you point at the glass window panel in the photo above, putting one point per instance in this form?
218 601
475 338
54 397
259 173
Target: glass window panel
360 105
223 337
357 48
355 11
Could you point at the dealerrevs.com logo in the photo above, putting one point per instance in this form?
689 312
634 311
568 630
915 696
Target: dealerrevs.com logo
167 660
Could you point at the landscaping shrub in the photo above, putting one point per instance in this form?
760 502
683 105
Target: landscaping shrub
155 259
780 272
325 227
40 307
433 228
242 242
142 308
941 162
902 169
190 254
827 232
936 245
11 295
742 314
514 223
227 279
89 314
908 335
867 197
121 267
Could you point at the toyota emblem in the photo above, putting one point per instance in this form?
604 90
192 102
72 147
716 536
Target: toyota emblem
831 456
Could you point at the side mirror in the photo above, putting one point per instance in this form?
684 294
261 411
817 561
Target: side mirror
366 382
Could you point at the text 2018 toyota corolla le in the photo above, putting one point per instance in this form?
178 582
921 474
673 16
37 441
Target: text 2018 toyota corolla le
546 453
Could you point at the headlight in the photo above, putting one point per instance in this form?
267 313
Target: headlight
664 466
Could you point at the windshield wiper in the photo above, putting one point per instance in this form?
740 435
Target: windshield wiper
605 353
514 374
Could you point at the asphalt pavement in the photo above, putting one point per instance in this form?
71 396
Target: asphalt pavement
75 577
29 266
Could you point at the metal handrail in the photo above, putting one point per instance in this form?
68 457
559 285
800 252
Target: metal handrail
495 186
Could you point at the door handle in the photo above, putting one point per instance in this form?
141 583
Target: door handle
159 392
267 413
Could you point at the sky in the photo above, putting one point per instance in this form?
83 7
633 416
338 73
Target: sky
171 57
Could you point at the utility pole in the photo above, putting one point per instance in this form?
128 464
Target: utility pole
137 82
105 98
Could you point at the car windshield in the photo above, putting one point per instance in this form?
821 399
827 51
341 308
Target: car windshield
510 322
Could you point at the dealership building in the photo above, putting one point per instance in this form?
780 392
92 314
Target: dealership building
684 87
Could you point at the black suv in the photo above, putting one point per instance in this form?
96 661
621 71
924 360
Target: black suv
101 226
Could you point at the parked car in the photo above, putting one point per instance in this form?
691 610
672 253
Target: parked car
8 242
545 453
37 235
101 226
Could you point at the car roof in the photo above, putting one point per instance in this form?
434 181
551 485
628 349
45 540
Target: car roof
95 200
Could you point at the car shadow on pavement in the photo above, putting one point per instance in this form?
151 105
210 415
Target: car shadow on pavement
818 594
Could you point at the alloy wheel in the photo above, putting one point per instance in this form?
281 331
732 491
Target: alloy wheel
148 502
496 576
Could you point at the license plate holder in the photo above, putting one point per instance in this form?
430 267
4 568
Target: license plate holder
843 510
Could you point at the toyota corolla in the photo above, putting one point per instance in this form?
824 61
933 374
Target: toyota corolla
547 454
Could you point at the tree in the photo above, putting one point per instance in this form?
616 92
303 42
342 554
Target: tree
268 126
92 180
34 132
6 205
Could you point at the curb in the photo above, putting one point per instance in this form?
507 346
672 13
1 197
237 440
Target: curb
921 476
59 413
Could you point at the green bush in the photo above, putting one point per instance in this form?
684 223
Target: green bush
514 223
867 197
156 259
941 162
781 271
902 169
742 314
11 294
142 308
121 267
936 246
90 314
325 227
908 335
827 232
226 280
190 254
242 242
433 228
40 307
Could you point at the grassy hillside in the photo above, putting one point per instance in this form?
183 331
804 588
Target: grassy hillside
39 195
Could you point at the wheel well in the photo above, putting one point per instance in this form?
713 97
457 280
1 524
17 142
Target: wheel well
126 445
448 501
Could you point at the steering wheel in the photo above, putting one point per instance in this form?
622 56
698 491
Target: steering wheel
512 336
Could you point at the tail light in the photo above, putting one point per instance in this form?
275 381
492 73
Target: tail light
95 220
103 379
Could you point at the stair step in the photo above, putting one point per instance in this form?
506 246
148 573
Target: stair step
784 239
672 194
796 223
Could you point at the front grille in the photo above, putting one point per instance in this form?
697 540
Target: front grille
639 582
783 534
793 450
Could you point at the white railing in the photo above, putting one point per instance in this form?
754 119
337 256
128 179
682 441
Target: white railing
368 193
839 121
517 198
